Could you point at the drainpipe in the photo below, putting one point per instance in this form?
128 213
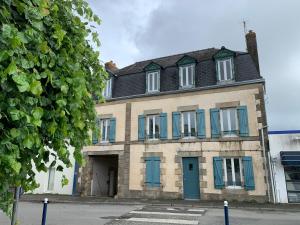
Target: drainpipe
265 161
272 177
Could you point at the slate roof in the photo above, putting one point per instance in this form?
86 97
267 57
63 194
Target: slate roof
131 80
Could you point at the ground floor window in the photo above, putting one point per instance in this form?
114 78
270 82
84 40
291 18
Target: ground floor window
233 172
292 176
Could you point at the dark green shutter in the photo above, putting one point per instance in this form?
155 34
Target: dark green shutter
163 126
243 121
215 122
141 128
112 130
200 114
176 125
248 173
218 172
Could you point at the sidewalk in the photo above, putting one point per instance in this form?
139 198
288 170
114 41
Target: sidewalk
175 203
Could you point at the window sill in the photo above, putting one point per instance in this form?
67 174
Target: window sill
225 82
152 92
234 187
186 87
189 138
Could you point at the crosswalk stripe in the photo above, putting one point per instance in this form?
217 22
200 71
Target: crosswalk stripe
196 210
165 213
174 221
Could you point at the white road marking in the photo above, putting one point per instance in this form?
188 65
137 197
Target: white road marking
171 209
150 220
196 210
164 213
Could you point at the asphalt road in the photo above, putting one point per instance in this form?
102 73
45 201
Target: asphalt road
98 214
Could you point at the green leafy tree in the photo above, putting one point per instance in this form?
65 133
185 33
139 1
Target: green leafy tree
49 74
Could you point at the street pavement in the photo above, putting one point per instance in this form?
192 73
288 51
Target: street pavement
122 214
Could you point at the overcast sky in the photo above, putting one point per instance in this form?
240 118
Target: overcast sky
134 30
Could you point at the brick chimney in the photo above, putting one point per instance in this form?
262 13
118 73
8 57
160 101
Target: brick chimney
111 66
252 47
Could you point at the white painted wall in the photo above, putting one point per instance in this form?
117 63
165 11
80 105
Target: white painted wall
42 178
278 143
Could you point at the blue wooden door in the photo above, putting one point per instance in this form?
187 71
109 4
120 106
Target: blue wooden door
191 187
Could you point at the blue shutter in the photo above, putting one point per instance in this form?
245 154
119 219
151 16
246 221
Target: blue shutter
149 176
243 121
218 172
95 133
112 130
215 123
176 125
200 113
141 128
163 126
156 171
248 173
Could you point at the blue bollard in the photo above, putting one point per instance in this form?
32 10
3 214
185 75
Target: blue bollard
44 211
226 217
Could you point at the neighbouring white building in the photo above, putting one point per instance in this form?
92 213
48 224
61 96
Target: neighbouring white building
285 165
50 181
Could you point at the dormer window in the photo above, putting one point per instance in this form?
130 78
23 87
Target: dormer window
224 59
153 80
187 76
225 69
106 93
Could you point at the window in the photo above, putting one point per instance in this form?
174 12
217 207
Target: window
107 90
51 176
187 76
233 172
104 130
153 81
152 178
225 70
188 124
292 177
229 122
153 127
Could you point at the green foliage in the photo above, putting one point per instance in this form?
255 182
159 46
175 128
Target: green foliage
49 73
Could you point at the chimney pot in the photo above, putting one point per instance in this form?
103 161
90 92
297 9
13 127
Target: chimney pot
110 65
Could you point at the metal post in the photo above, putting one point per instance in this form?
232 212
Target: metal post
14 215
44 211
226 217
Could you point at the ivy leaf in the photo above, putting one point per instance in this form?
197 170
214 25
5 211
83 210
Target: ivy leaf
59 168
11 69
21 81
37 112
36 88
28 142
64 181
14 132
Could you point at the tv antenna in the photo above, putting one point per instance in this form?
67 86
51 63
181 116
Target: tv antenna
245 26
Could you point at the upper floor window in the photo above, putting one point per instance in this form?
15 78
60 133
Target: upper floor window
188 124
108 89
225 69
153 81
187 76
229 122
153 126
104 130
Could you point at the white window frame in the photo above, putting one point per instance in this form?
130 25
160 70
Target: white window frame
227 77
51 179
186 67
189 124
106 135
154 117
151 79
107 89
232 173
229 122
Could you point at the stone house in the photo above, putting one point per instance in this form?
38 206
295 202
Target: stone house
185 126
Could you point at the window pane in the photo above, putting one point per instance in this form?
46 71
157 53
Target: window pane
150 82
237 172
228 69
294 197
190 75
103 132
292 173
184 76
233 121
225 120
193 123
229 172
155 81
156 126
293 186
221 68
185 124
151 127
51 179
